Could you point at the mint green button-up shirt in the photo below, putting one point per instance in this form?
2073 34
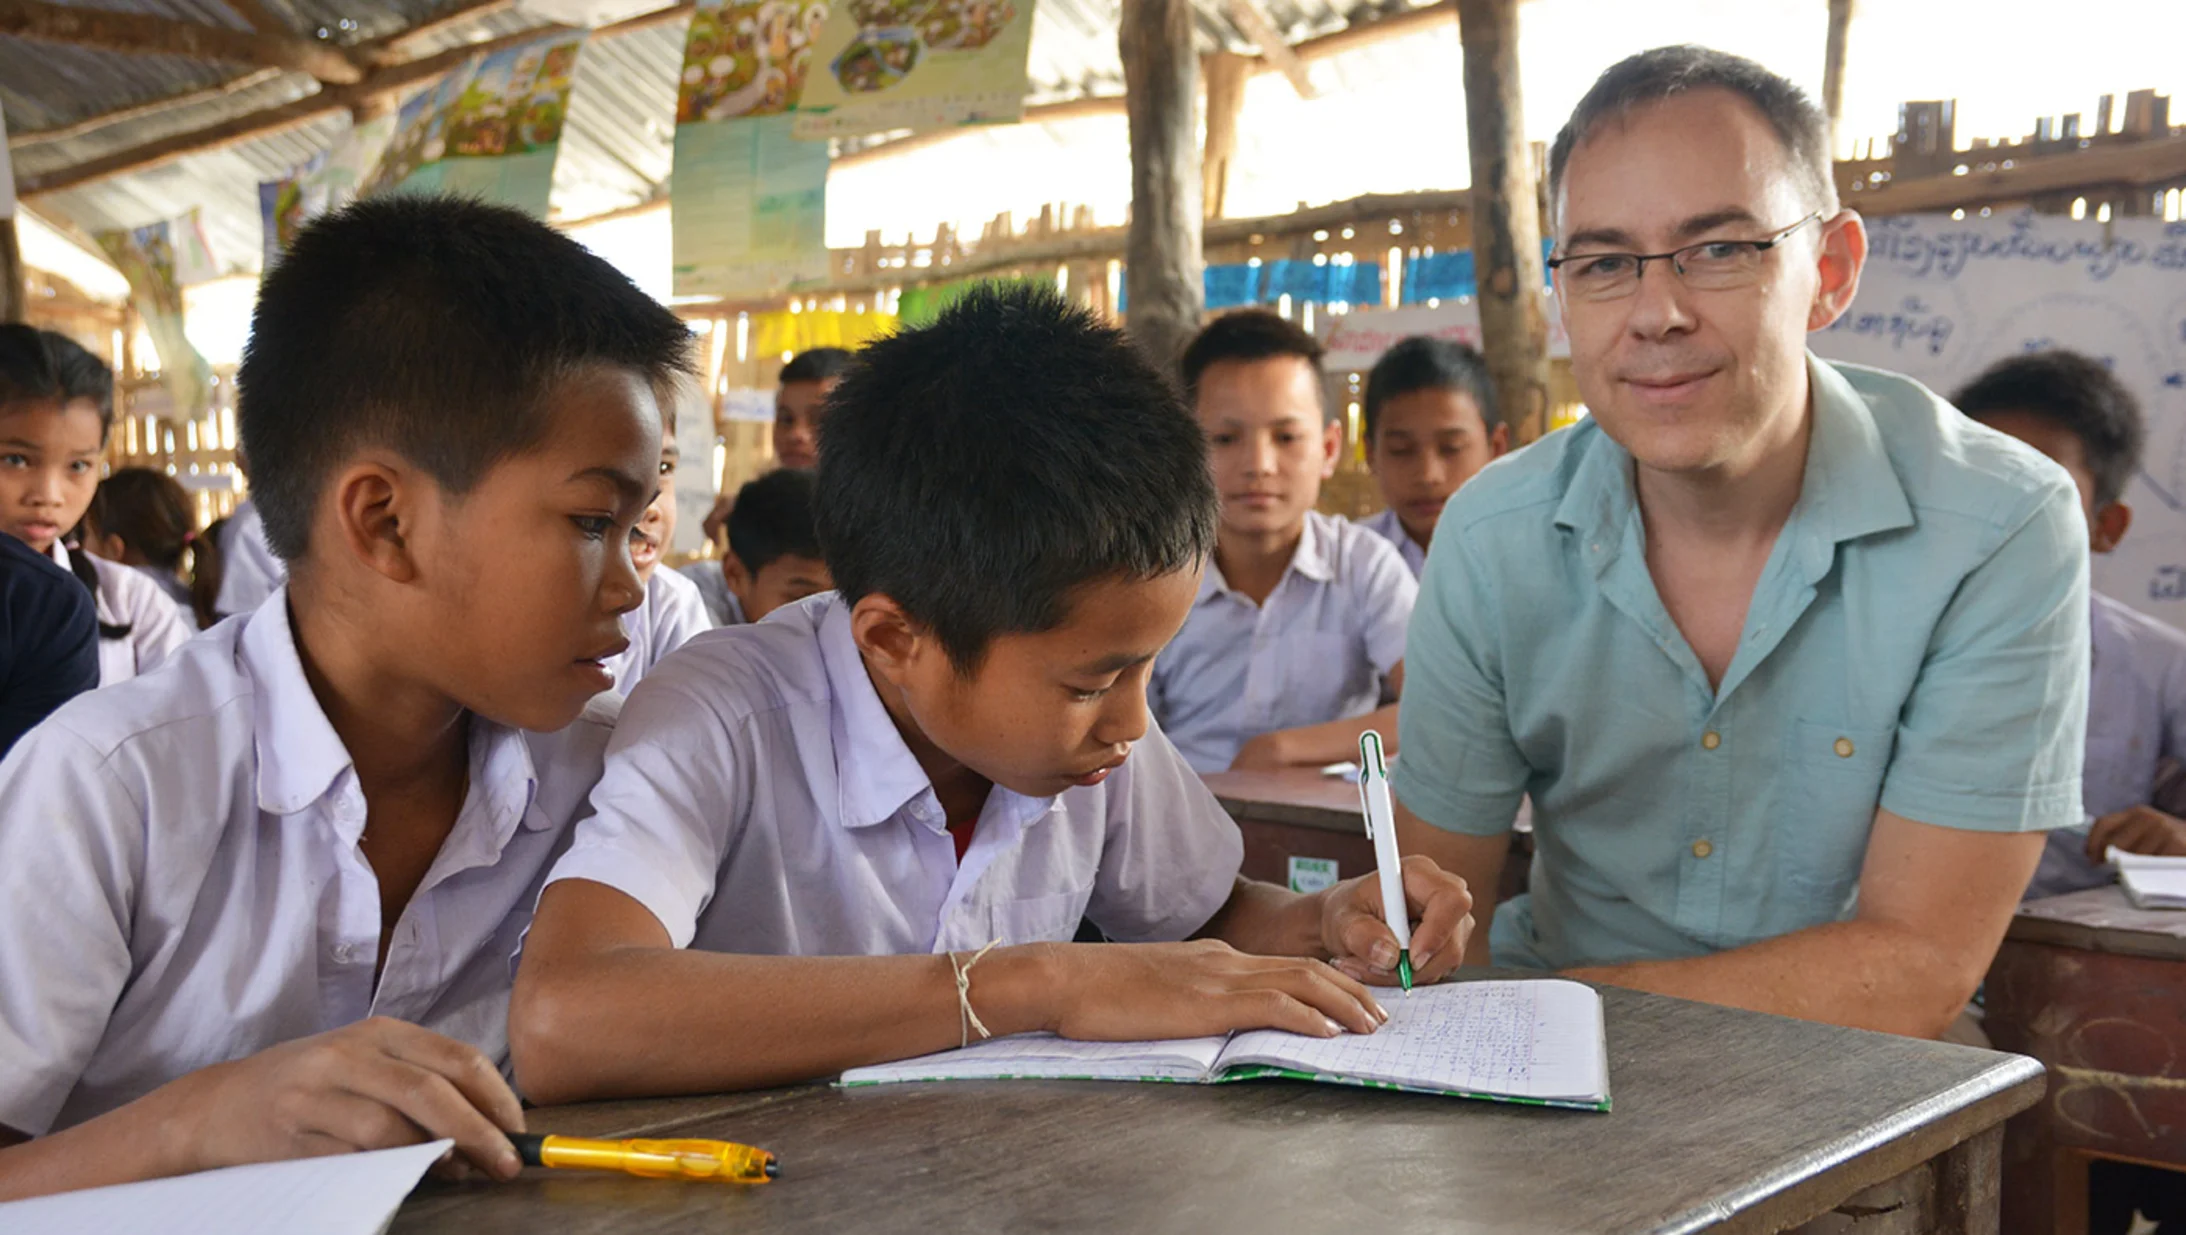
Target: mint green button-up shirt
1917 641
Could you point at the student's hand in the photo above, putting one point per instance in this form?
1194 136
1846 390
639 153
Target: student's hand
1136 992
2138 829
376 1084
1269 750
715 525
1440 909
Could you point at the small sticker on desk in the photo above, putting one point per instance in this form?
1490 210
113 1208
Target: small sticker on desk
1312 874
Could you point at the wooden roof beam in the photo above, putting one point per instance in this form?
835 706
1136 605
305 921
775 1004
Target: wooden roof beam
257 16
140 34
1252 19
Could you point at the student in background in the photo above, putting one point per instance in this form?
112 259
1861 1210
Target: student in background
249 570
49 639
2072 409
1431 425
808 831
1300 617
805 383
261 904
773 557
144 519
56 405
673 609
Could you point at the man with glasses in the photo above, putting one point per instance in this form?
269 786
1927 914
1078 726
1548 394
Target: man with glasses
1791 657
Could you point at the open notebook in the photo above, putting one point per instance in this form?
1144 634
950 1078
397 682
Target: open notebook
1535 1041
2151 882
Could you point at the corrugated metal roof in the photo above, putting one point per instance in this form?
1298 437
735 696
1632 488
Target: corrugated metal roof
617 146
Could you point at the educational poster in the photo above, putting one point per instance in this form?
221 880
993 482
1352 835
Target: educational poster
917 64
1354 341
749 206
328 182
1942 298
151 259
489 129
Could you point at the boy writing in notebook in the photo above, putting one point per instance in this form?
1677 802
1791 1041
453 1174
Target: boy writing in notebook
260 904
1431 424
865 828
1300 617
2077 412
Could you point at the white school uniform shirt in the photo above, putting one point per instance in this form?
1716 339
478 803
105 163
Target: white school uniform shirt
248 570
181 883
1390 528
129 597
670 614
760 800
713 587
1316 651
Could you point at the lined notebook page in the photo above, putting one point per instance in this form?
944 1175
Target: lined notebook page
1045 1055
1527 1039
2151 882
346 1194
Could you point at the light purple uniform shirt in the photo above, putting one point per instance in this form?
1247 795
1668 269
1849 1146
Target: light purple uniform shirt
760 800
673 610
1390 528
1317 651
2136 718
182 882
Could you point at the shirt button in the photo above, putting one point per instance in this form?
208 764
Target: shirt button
1709 741
1702 849
1843 748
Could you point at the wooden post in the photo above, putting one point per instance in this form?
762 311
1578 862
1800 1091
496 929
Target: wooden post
1506 218
1226 75
14 293
1164 265
1840 26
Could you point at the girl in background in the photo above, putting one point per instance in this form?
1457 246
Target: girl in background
142 517
56 405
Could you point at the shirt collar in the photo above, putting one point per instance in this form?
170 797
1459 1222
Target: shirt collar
1850 489
875 771
1310 558
301 758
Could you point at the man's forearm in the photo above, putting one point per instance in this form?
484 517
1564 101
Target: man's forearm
1861 974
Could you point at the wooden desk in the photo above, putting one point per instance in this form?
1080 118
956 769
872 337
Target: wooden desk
2095 989
1301 813
1724 1121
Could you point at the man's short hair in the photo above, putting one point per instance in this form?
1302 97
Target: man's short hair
44 364
1652 76
772 519
2077 394
816 365
1247 335
1424 362
436 327
979 469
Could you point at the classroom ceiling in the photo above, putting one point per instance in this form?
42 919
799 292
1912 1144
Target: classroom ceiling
617 144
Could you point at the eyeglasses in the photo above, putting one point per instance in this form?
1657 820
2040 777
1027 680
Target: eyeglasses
1710 266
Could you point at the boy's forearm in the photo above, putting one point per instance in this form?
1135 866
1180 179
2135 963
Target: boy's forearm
1337 741
644 1021
1267 920
1865 975
147 1139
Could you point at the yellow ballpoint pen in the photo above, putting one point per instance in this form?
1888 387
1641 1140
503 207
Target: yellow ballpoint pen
719 1161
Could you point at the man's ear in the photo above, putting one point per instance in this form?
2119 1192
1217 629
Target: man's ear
895 644
375 502
2109 527
1499 442
1843 254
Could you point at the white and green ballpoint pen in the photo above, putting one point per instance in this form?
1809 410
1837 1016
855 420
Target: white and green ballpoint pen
1381 825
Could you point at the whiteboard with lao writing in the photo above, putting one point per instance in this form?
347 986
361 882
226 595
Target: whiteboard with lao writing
1942 298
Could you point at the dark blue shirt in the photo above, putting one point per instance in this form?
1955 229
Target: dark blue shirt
49 639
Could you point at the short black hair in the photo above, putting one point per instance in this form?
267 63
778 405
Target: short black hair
980 468
45 364
816 365
1652 76
2076 393
1424 362
1247 335
772 519
433 326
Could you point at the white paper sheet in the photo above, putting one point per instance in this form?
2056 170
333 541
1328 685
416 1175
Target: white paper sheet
346 1194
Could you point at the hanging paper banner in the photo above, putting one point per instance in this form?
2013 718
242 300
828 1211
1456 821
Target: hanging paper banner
749 206
779 333
917 64
490 129
146 257
328 182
